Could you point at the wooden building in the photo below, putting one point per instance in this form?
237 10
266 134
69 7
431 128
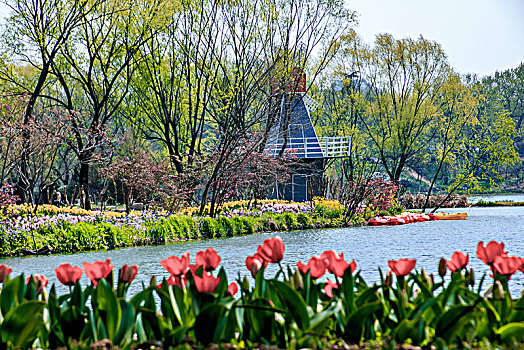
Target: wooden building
293 132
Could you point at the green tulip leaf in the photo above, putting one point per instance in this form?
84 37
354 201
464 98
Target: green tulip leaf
211 323
22 324
108 302
319 320
292 302
348 285
454 320
517 312
511 331
358 318
408 329
126 323
12 294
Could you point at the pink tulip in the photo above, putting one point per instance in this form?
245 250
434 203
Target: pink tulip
506 265
458 261
254 264
208 258
41 282
490 252
232 288
68 275
402 267
4 272
128 273
98 270
328 289
176 266
272 250
302 268
317 266
207 283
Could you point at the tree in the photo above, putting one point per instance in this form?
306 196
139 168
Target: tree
471 139
36 31
404 79
96 72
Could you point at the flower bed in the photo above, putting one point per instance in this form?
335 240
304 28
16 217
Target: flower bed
74 230
296 308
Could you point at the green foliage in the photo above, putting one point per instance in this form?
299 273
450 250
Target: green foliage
305 221
66 237
208 227
287 310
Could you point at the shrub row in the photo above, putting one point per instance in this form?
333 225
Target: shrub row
86 236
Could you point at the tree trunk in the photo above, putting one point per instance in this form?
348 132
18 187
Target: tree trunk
83 182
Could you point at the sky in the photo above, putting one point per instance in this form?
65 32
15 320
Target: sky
479 36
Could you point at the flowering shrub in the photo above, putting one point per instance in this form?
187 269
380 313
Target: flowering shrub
6 196
295 308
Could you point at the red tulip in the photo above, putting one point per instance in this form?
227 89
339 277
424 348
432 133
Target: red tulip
41 282
458 261
328 289
208 258
302 268
232 288
39 279
522 267
98 270
254 264
317 266
402 267
272 250
68 275
4 272
207 283
490 252
506 265
128 273
332 255
176 266
336 263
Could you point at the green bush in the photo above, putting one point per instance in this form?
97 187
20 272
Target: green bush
248 225
208 227
305 220
291 221
228 226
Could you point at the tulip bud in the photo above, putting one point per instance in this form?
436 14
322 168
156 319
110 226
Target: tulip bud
426 279
152 282
442 268
432 279
297 279
471 277
388 282
499 291
245 284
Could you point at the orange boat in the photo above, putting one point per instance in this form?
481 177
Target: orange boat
457 216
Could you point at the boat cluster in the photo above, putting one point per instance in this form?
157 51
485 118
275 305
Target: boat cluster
408 218
401 219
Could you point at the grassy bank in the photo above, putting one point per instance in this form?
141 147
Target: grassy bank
66 230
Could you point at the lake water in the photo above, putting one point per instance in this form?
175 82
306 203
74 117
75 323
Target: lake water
371 247
509 197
